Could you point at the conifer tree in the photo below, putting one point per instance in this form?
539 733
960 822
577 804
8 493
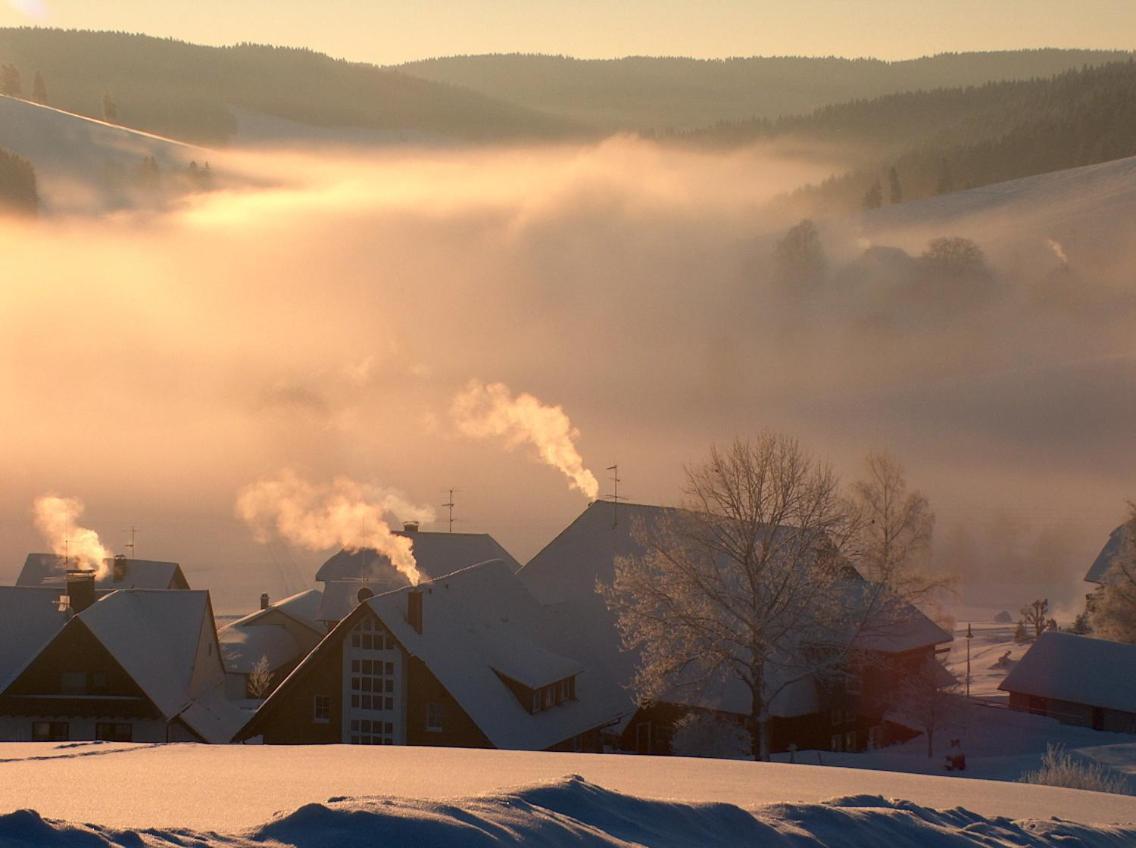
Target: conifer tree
39 89
895 190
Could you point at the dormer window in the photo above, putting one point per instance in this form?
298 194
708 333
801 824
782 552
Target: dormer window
542 697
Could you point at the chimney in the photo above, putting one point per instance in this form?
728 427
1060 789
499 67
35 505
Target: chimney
410 527
119 568
264 600
414 609
80 589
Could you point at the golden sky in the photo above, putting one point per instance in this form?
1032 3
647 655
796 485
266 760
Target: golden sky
382 31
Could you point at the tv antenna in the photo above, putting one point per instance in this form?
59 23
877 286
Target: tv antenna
450 506
130 545
615 497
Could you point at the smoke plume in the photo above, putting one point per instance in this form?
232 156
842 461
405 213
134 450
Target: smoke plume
57 519
484 411
343 513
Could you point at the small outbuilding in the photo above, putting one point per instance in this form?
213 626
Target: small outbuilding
1077 680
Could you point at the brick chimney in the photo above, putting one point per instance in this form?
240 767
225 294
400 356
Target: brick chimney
119 568
414 609
264 600
80 589
410 527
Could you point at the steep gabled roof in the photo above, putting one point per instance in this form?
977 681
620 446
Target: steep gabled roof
478 624
49 569
29 619
1111 550
156 636
1079 669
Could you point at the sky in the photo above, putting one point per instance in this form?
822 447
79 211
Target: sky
387 32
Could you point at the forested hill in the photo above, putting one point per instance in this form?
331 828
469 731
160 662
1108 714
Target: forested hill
944 140
664 93
188 92
17 185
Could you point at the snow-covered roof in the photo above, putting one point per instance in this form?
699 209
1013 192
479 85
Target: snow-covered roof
437 554
156 636
1111 550
342 596
303 607
29 619
242 647
480 621
1079 669
50 569
563 576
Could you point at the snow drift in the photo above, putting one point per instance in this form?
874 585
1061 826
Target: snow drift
574 812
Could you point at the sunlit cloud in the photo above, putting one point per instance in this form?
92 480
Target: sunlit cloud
34 9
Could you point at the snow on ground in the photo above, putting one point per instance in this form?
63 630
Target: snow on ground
574 812
233 788
1000 744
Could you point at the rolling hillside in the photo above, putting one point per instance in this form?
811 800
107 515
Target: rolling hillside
675 93
190 92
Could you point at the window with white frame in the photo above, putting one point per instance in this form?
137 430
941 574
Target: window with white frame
365 731
321 709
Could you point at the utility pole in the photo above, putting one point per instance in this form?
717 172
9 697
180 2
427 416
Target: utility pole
614 469
969 636
450 506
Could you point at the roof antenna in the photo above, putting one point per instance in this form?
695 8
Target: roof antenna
130 545
614 469
450 506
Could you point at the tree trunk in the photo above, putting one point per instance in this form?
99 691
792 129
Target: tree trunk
759 718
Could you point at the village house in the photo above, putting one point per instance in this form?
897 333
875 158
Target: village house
130 665
1076 680
464 660
274 638
1111 550
120 573
848 712
436 554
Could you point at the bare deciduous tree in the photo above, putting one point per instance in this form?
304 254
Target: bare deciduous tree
1035 617
896 525
1114 606
928 697
260 679
740 584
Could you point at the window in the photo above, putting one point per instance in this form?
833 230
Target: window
368 732
321 709
49 731
370 635
109 731
73 682
372 684
435 717
850 741
98 681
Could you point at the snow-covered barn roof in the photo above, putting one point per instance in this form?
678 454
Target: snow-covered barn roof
29 619
50 569
1111 550
563 576
1078 669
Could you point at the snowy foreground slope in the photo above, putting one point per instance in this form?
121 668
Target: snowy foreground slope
345 796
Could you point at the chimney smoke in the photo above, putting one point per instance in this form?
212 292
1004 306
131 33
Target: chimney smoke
57 519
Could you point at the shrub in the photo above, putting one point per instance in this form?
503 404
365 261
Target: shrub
1059 768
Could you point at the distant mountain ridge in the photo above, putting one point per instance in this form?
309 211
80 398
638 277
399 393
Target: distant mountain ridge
676 93
187 91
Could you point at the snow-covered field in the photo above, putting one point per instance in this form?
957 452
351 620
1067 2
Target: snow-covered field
344 795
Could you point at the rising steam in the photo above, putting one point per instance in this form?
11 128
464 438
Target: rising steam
342 513
57 519
483 411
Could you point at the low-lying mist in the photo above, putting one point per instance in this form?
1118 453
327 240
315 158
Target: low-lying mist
156 364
